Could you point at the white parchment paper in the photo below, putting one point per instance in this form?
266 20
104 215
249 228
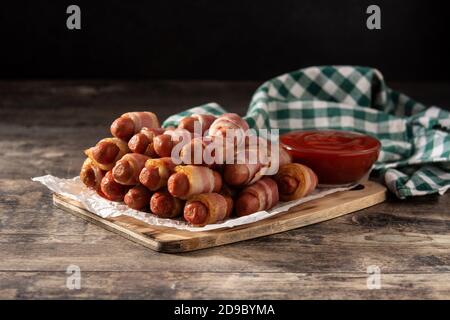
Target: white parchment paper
76 190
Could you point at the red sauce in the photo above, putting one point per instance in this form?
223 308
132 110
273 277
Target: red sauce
337 157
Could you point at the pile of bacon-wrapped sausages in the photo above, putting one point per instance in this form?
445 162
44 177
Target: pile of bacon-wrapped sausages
135 166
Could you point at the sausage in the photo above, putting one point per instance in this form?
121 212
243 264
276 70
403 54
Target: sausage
190 180
262 195
163 145
295 181
91 175
122 128
195 213
137 197
150 177
156 173
139 143
127 170
188 123
130 123
110 189
106 152
178 185
206 208
164 205
142 142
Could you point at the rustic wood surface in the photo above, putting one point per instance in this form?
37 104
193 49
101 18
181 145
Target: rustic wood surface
44 126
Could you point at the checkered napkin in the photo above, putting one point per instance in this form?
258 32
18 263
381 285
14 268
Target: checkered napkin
415 155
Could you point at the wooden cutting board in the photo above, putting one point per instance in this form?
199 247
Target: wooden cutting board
166 239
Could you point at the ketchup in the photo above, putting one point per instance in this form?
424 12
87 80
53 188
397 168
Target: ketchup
337 157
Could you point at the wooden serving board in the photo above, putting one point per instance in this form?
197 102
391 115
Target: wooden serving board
166 239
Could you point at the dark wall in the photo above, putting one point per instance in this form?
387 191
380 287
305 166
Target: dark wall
221 39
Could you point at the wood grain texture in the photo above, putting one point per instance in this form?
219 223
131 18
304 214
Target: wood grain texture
171 240
254 285
44 126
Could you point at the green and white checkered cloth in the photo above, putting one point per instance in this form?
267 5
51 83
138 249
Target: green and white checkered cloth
415 155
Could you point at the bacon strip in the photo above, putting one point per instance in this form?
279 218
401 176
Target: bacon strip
201 179
150 133
266 191
228 121
197 122
131 123
142 119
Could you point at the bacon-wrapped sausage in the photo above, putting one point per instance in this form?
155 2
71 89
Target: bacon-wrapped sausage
91 175
197 123
156 172
207 208
142 142
137 197
164 143
295 181
229 121
164 205
242 174
107 152
131 123
261 195
191 180
246 167
112 190
194 152
127 170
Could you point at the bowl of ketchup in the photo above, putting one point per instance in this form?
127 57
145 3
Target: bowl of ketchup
337 157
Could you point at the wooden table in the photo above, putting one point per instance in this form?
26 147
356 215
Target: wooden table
45 125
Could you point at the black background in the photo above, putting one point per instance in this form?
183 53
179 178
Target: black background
234 39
